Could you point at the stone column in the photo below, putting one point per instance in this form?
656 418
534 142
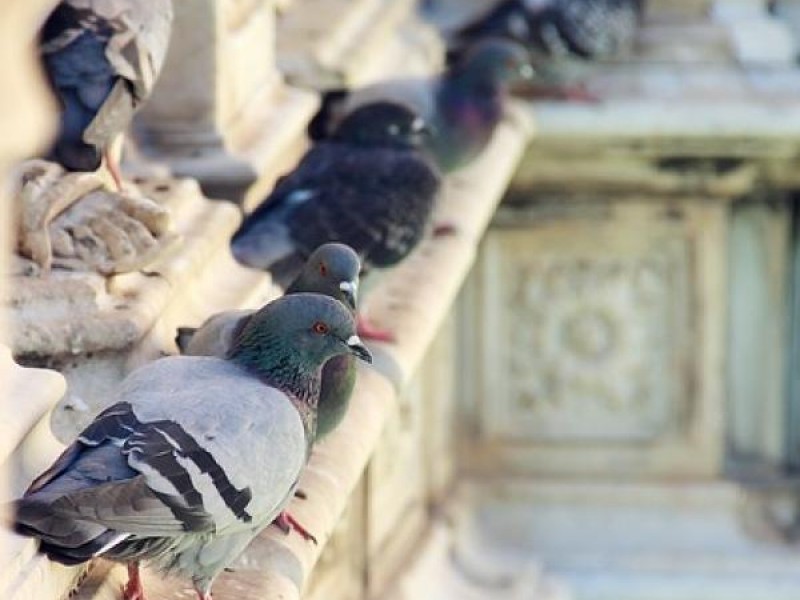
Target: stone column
220 111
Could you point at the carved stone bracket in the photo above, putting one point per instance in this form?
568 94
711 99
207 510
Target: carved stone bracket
602 335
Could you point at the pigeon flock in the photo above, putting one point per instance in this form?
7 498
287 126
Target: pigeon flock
197 453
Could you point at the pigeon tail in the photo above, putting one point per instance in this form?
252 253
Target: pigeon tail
183 337
329 113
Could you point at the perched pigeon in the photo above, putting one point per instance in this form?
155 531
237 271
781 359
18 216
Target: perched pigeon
463 105
369 187
197 455
557 32
332 270
102 58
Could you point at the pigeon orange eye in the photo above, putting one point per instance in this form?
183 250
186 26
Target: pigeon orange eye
323 269
320 328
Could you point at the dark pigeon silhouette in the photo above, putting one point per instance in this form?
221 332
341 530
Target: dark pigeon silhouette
102 60
369 187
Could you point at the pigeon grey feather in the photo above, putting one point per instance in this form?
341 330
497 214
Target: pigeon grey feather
197 454
463 104
102 58
333 270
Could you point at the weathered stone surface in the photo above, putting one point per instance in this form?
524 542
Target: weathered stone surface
27 447
67 313
612 540
76 222
221 112
602 336
342 43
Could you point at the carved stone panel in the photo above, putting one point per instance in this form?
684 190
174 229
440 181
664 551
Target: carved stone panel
594 338
602 339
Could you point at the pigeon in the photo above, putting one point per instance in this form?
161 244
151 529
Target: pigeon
197 454
557 33
102 58
369 187
332 269
463 105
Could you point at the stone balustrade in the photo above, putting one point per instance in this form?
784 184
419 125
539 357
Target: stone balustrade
581 420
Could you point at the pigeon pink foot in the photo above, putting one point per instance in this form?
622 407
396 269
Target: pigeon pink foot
286 522
133 590
113 168
444 229
368 331
203 595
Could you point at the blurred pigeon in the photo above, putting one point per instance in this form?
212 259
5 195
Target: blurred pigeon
369 187
463 105
332 270
197 455
102 58
557 33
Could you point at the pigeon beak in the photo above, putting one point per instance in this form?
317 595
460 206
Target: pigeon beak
358 349
526 72
350 291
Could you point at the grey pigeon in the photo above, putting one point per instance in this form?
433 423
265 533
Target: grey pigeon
463 105
197 455
557 33
102 58
332 270
369 187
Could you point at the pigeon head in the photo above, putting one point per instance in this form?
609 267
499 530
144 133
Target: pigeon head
494 62
387 124
287 341
332 270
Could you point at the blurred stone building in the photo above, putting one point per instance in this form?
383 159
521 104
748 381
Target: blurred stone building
594 393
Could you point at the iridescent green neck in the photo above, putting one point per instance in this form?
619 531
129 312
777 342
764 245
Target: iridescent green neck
277 363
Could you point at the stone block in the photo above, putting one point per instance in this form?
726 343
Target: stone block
602 341
326 44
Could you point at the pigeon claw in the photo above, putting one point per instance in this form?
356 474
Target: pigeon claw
571 93
444 230
286 523
368 331
133 590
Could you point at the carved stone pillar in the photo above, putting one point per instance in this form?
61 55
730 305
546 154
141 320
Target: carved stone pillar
27 118
220 112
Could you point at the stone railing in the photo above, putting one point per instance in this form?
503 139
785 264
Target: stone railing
572 418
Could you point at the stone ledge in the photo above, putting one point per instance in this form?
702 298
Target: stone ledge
343 43
660 131
612 540
116 312
27 447
414 299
